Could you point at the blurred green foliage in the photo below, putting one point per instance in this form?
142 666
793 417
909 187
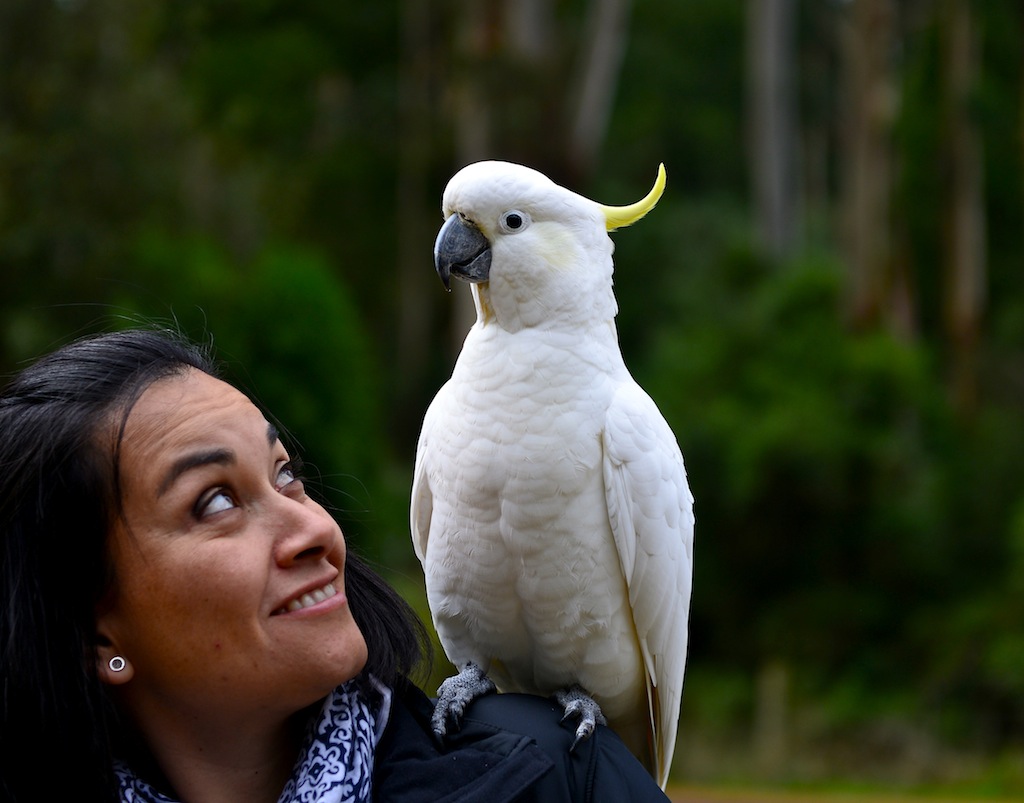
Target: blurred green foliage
236 168
295 343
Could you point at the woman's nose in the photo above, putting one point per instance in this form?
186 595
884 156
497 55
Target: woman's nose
305 531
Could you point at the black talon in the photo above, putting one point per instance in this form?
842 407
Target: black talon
578 704
454 696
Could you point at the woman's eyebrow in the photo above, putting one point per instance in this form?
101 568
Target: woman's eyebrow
211 457
184 464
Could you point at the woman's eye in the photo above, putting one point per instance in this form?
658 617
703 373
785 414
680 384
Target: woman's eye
287 474
215 502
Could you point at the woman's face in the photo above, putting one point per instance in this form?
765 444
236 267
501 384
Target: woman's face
229 595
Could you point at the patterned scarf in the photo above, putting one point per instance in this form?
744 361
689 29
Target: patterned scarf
336 761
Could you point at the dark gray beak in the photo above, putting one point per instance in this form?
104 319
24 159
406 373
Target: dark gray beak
462 251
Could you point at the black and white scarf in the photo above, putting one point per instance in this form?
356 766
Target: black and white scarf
336 762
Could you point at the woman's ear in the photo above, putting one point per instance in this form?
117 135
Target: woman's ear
112 665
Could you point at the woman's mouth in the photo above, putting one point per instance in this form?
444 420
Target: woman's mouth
308 599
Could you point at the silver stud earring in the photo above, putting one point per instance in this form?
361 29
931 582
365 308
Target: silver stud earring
117 663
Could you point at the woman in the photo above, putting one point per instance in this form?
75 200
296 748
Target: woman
181 621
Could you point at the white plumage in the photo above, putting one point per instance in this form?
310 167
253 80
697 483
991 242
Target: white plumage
550 507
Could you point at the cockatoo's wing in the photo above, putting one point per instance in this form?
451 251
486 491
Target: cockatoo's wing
651 513
422 500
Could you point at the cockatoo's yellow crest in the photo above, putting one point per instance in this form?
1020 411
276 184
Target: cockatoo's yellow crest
618 217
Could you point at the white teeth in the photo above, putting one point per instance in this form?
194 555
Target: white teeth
312 598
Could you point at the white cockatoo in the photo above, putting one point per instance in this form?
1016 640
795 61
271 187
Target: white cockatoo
550 507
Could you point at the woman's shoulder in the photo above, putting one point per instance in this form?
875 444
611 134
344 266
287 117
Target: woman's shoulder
510 747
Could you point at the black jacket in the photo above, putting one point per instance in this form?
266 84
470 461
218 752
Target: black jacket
510 747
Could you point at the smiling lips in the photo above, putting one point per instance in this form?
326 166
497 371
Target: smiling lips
308 599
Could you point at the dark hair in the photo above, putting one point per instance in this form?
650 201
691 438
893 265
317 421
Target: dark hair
59 495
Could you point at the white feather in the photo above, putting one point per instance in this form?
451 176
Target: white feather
550 507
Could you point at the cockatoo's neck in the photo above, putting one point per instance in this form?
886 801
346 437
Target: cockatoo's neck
594 342
516 307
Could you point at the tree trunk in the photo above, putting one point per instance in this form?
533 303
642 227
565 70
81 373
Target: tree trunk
595 82
771 737
772 119
871 98
415 288
966 274
477 40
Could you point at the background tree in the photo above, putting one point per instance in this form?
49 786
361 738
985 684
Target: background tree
773 123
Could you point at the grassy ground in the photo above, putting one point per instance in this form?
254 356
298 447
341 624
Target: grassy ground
691 794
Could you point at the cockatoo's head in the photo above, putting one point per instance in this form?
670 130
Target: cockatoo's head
541 249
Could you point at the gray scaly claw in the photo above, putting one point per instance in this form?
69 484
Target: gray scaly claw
577 704
454 696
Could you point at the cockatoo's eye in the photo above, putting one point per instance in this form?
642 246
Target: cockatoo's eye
514 221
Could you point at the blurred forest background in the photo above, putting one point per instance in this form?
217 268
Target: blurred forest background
827 304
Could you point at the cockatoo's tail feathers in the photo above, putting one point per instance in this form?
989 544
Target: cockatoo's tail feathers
618 217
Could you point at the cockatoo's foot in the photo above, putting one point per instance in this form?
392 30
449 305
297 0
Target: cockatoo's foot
577 704
455 694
